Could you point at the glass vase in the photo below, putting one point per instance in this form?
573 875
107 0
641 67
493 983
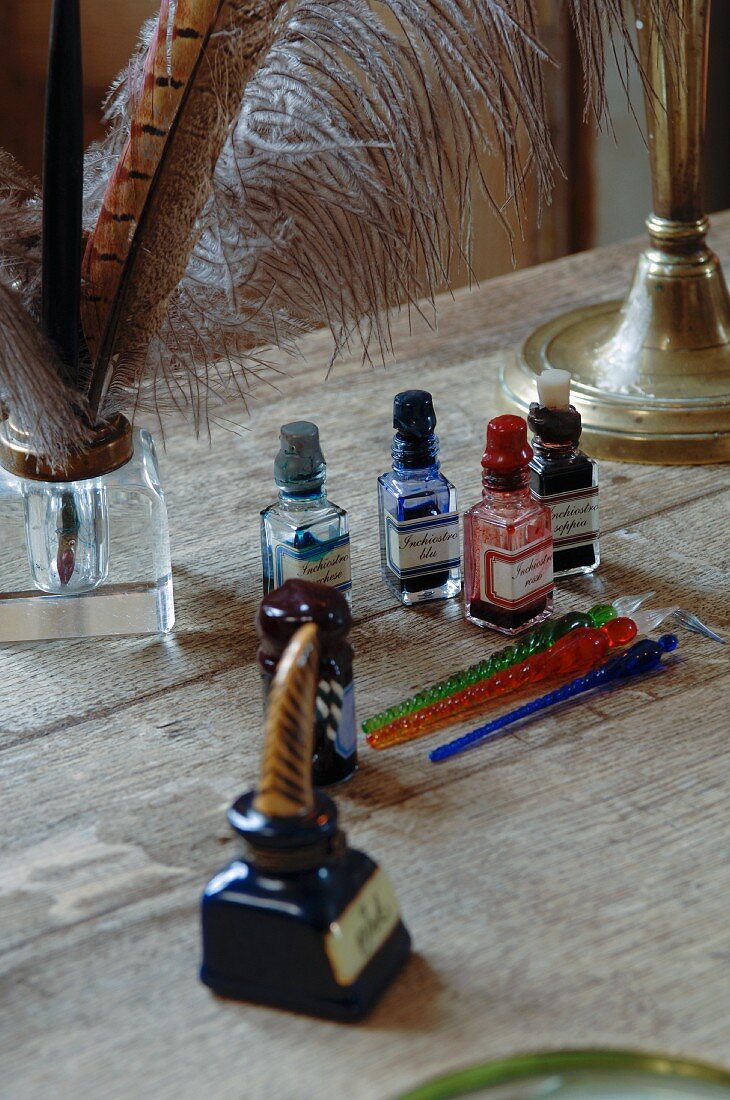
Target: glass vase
88 556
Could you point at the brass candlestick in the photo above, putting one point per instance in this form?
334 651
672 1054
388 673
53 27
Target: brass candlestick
651 375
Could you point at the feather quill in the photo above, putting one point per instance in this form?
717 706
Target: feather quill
285 788
329 203
156 93
316 163
231 40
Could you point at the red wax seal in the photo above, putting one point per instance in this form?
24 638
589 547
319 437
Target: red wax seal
507 446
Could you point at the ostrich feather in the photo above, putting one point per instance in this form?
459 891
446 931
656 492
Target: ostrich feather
30 370
316 164
20 232
329 200
30 381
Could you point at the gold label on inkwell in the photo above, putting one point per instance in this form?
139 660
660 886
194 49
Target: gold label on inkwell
362 928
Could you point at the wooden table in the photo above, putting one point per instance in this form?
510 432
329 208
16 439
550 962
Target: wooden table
567 886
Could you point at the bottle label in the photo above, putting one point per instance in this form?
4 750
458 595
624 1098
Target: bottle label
575 517
326 563
362 928
336 709
420 546
515 579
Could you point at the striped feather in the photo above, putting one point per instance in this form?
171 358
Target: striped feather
176 45
230 35
285 789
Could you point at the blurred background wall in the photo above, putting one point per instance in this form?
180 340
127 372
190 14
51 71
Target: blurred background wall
606 195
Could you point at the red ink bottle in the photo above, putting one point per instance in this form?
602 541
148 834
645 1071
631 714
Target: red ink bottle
564 478
508 544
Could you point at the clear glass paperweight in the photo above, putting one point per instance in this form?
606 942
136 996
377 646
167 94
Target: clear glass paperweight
88 557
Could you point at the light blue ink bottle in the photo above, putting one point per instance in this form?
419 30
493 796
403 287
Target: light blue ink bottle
304 535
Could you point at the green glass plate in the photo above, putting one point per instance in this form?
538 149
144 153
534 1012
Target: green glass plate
582 1075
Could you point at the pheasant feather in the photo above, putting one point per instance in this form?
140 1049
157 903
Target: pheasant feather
174 49
232 35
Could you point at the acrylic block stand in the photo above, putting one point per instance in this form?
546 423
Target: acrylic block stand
88 555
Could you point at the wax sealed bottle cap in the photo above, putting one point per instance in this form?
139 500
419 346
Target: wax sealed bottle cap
413 413
296 602
553 388
552 418
300 463
507 446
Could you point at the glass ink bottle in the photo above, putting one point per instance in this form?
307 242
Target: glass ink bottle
300 920
564 478
419 521
508 545
304 534
280 615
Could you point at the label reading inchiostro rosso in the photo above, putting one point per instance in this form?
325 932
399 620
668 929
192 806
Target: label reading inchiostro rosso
575 517
326 563
418 546
362 928
515 579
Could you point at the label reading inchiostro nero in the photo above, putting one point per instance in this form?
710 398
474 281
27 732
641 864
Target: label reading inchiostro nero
575 517
418 546
362 928
325 563
516 578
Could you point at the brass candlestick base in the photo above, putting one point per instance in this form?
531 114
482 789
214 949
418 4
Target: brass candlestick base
651 376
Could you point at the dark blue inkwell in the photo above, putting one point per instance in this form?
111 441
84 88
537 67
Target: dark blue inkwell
300 921
419 522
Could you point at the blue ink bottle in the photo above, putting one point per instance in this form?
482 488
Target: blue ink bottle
304 535
281 614
299 920
419 522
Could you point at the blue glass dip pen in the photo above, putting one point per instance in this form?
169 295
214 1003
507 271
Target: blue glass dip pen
642 657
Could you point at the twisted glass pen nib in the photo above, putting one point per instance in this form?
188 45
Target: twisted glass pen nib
694 624
580 650
642 657
67 529
538 640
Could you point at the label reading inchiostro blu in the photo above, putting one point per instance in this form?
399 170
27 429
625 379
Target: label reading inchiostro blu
325 563
416 547
362 928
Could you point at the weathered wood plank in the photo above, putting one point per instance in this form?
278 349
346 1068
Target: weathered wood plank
566 886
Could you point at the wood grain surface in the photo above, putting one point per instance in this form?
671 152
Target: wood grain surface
565 887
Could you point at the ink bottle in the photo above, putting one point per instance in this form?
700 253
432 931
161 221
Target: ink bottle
299 920
304 534
280 615
564 478
419 521
508 545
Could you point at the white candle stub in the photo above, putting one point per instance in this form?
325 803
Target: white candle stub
553 388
